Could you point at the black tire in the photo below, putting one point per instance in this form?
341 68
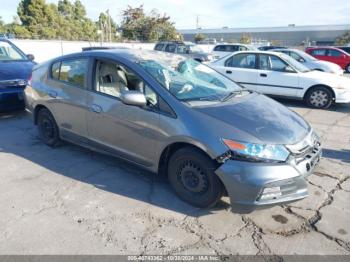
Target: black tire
47 127
347 69
191 174
319 97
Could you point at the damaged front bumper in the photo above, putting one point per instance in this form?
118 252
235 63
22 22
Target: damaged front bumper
250 184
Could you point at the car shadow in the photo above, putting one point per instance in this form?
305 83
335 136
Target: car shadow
341 155
19 136
342 108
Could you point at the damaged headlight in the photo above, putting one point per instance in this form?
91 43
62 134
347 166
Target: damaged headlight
256 152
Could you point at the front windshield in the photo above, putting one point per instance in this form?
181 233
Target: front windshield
295 64
10 53
306 56
189 80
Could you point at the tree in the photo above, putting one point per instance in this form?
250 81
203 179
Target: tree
137 25
343 40
107 26
2 25
199 37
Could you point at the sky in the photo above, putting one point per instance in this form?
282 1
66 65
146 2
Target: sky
220 13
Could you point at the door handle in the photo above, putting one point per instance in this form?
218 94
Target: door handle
53 94
228 72
263 75
96 108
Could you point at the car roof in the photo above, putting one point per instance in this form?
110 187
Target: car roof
258 52
232 44
127 54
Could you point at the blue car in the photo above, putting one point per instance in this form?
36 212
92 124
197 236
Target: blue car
15 72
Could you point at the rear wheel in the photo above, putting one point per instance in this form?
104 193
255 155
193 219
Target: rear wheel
191 174
319 97
47 127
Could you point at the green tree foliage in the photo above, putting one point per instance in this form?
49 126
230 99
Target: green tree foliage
67 20
137 25
343 40
199 37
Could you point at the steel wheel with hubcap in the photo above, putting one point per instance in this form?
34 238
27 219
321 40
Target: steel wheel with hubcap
47 127
192 175
319 97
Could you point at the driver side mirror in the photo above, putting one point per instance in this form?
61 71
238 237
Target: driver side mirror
30 57
300 60
289 69
133 98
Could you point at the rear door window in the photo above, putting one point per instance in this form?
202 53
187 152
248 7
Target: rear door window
170 48
242 61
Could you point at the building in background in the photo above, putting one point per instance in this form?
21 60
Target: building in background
291 35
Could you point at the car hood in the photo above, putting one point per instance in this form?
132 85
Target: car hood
325 64
261 117
10 70
329 79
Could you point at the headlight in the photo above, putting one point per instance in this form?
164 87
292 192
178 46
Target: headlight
257 152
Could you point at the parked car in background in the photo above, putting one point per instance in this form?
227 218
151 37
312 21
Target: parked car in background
344 48
208 41
222 50
311 62
174 115
277 74
187 49
15 73
331 54
269 47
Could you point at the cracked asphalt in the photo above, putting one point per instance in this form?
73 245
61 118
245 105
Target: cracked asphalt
69 200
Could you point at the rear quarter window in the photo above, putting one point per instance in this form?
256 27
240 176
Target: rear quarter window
71 71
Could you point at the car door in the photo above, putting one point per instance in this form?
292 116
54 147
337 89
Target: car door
242 69
67 87
274 78
336 57
170 48
128 131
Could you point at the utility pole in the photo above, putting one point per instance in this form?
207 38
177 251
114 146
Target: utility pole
109 26
197 22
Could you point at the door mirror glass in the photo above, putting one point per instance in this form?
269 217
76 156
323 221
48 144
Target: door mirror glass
133 98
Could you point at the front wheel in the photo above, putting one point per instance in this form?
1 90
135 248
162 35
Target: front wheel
191 174
347 69
47 127
319 97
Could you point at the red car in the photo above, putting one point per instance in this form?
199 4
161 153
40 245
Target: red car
331 54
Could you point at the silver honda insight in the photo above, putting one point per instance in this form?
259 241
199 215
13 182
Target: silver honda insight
179 117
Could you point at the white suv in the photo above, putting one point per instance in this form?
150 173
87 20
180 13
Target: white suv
222 50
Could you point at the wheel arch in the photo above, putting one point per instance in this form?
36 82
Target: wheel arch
319 85
170 149
36 111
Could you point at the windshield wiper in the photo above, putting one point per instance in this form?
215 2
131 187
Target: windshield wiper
230 95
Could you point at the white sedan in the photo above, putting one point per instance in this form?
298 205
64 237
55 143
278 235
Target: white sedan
311 62
277 74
